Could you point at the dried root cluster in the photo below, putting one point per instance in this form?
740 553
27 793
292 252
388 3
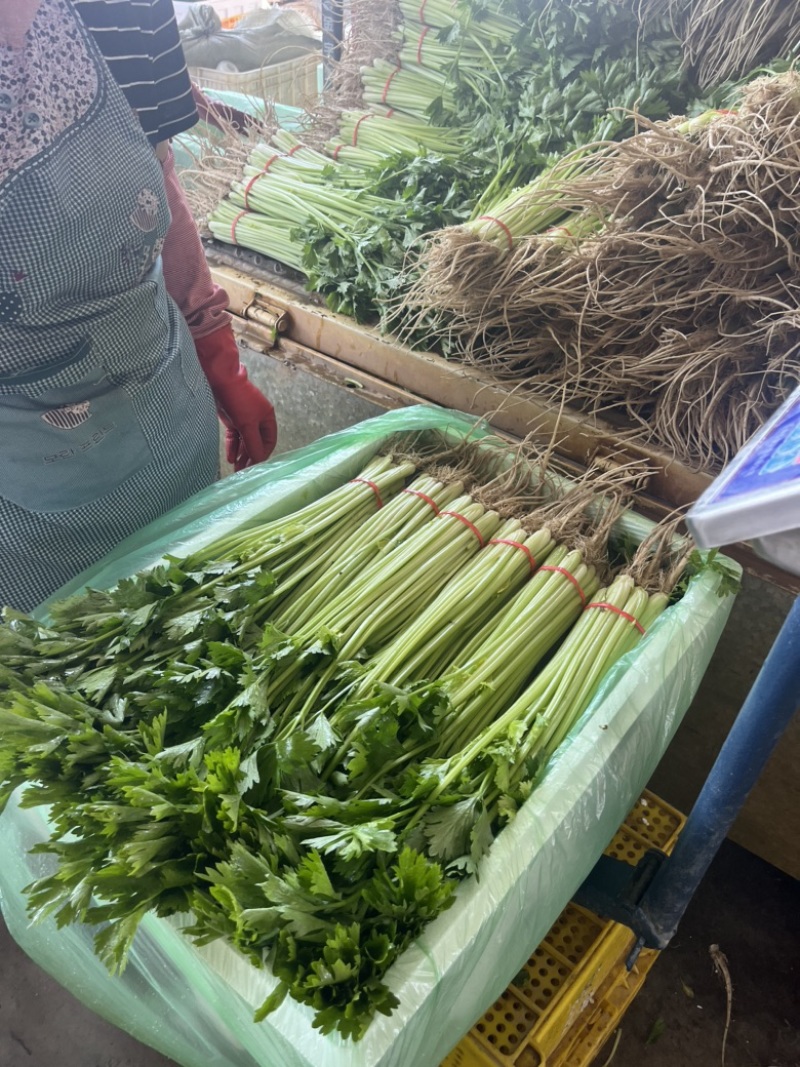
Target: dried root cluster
725 39
679 306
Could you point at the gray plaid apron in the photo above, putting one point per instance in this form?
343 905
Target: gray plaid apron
106 420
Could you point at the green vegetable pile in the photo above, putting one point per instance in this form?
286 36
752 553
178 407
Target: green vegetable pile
307 732
485 96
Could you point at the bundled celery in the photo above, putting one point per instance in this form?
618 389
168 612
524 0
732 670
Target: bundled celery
409 88
484 24
502 96
271 237
368 139
307 731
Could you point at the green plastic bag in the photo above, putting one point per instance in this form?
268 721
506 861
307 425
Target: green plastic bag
195 1005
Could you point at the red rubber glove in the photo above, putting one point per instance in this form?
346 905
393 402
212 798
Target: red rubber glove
251 432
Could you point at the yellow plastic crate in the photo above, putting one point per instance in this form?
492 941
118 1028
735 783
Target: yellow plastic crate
573 991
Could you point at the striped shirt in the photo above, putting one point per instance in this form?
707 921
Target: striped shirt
140 42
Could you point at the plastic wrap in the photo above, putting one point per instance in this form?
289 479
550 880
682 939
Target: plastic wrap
259 39
195 1005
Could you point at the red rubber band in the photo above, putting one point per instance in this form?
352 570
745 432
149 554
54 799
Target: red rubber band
467 523
270 161
422 37
249 186
389 113
617 611
295 148
422 12
425 497
572 578
566 230
396 70
503 227
234 224
373 487
337 150
516 544
366 115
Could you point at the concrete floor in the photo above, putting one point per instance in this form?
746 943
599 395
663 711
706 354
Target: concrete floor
745 906
306 407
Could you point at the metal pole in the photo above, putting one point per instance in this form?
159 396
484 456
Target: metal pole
765 714
332 18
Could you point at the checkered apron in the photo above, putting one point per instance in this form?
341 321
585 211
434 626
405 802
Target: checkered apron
106 420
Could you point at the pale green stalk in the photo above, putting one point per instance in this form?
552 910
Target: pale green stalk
428 646
383 531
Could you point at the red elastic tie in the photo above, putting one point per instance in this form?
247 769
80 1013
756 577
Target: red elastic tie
503 227
234 224
422 37
617 611
270 161
567 231
366 115
396 70
373 487
337 150
467 523
516 544
389 113
249 186
425 497
296 148
572 578
422 12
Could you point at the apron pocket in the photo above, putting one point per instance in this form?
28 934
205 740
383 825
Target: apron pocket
66 445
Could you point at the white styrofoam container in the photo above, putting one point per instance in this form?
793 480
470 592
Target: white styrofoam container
195 1005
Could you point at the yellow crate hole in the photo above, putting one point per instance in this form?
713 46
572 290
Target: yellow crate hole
572 993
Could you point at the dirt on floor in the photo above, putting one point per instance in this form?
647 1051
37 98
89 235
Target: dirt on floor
751 911
744 906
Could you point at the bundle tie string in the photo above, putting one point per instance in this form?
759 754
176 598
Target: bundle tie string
235 223
249 186
467 523
265 168
571 577
425 497
605 606
385 92
503 227
422 37
516 544
373 487
366 115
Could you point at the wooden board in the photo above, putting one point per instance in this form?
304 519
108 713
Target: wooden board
431 378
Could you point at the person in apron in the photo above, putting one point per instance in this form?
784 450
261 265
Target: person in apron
107 418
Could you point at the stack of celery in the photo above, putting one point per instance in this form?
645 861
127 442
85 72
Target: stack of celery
477 104
306 733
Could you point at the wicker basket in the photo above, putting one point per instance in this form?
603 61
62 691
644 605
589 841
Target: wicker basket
295 82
